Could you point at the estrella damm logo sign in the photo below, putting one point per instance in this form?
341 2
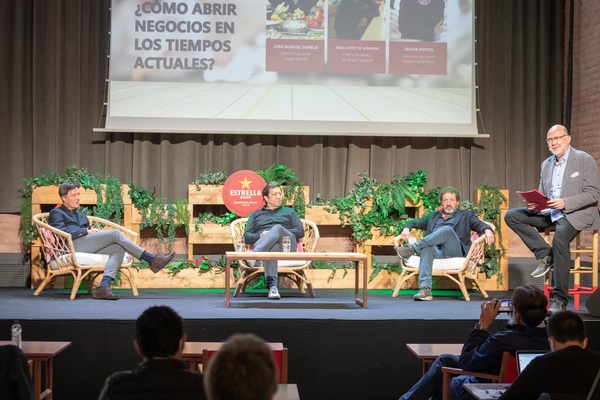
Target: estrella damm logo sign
242 192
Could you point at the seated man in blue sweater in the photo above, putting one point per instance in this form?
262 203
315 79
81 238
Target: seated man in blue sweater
267 227
482 352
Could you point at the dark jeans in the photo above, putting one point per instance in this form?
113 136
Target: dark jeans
526 225
430 385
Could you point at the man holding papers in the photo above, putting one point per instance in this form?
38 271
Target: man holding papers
571 182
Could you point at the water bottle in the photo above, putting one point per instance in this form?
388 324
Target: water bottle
16 331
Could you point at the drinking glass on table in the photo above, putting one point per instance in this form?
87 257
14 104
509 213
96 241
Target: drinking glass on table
286 244
240 245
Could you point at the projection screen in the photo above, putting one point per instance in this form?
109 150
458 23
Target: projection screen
315 67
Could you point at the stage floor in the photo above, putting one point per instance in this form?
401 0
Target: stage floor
337 349
210 304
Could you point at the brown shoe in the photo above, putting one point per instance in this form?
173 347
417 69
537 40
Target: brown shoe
160 261
105 293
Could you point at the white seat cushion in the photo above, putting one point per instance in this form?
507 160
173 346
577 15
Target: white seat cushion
290 263
447 264
89 259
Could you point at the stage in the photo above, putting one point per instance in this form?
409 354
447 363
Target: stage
337 349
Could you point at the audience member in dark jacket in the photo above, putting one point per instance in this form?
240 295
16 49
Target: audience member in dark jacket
482 352
159 340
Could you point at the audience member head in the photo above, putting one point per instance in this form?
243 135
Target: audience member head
529 305
566 328
159 333
243 369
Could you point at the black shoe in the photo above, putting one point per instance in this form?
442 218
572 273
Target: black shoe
160 260
405 251
556 306
104 293
543 267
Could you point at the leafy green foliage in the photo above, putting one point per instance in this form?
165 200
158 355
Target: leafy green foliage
280 175
210 178
108 190
202 264
489 209
389 266
387 212
164 216
109 203
290 184
224 220
140 197
319 201
333 266
174 267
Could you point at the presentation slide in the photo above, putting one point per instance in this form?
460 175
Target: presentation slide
315 67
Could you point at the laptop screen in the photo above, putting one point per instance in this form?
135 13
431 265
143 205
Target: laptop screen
525 357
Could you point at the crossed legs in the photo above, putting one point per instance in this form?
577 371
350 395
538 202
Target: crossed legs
526 225
271 241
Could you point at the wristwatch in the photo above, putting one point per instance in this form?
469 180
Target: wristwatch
479 327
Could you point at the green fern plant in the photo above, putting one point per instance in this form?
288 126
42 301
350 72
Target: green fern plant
290 184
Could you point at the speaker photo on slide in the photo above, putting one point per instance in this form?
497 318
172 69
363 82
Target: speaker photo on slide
593 304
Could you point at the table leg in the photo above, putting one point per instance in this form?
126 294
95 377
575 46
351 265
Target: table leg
49 379
362 302
365 283
37 378
227 283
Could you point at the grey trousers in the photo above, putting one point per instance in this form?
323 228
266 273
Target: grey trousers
113 243
272 242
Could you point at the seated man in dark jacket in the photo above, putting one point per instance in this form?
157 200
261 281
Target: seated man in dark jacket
482 352
569 369
159 340
447 234
88 240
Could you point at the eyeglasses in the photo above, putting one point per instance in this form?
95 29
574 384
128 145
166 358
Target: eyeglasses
555 139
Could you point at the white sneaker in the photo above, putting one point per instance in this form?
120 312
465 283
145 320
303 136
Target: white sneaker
274 293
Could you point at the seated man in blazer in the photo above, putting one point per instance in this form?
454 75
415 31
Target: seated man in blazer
447 234
88 240
570 179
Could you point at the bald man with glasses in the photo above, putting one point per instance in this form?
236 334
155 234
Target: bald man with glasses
570 179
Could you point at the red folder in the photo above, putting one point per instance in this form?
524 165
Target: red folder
535 196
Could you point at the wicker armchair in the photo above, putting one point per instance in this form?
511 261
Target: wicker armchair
61 258
294 270
457 269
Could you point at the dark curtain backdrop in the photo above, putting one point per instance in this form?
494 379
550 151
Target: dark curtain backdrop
53 66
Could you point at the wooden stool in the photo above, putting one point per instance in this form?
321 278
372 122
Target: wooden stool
578 269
